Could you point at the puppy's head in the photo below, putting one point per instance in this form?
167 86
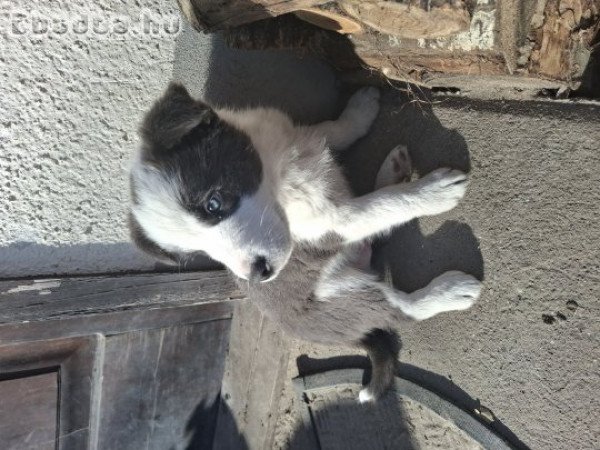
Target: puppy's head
198 185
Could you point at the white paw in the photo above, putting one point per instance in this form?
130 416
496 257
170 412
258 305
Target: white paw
396 168
364 396
363 108
451 291
442 190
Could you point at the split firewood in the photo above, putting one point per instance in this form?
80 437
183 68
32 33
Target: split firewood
562 36
420 40
410 21
329 18
211 15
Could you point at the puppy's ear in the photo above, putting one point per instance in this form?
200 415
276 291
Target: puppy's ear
173 116
147 245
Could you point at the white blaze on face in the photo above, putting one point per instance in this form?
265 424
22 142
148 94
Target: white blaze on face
256 229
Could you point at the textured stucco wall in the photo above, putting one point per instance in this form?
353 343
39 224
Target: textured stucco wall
70 103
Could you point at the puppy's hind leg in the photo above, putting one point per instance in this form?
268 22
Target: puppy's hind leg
396 168
383 348
353 123
451 291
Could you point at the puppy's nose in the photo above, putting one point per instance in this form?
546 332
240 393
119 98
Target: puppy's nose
261 270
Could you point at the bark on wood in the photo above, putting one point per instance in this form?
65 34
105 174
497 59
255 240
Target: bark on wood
562 38
290 33
416 64
329 20
553 41
211 15
364 51
410 21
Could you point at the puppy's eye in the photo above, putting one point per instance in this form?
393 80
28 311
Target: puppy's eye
214 204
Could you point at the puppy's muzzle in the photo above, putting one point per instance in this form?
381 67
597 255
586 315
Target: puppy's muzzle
261 270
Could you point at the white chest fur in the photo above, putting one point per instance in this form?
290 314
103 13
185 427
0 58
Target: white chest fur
300 168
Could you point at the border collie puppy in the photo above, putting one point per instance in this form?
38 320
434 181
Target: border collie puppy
266 198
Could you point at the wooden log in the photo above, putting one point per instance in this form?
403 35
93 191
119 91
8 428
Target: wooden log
211 15
408 20
290 33
548 40
364 51
562 38
329 20
417 64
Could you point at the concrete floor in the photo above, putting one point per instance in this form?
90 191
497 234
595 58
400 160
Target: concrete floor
530 349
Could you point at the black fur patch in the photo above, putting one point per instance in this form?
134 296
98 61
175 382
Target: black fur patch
383 348
186 140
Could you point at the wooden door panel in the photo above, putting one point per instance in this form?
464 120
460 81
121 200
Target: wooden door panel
73 365
113 362
154 381
29 410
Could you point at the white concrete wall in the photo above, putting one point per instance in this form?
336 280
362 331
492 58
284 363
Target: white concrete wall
70 103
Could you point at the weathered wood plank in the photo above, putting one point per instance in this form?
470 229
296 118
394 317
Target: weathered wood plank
160 388
115 322
254 373
33 300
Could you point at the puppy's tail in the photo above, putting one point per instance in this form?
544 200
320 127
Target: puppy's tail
383 348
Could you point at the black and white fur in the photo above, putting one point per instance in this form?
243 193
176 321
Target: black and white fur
266 198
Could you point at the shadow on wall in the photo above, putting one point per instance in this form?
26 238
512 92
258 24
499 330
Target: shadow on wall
305 88
25 259
201 426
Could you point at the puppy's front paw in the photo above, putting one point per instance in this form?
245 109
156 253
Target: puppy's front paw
442 190
363 107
